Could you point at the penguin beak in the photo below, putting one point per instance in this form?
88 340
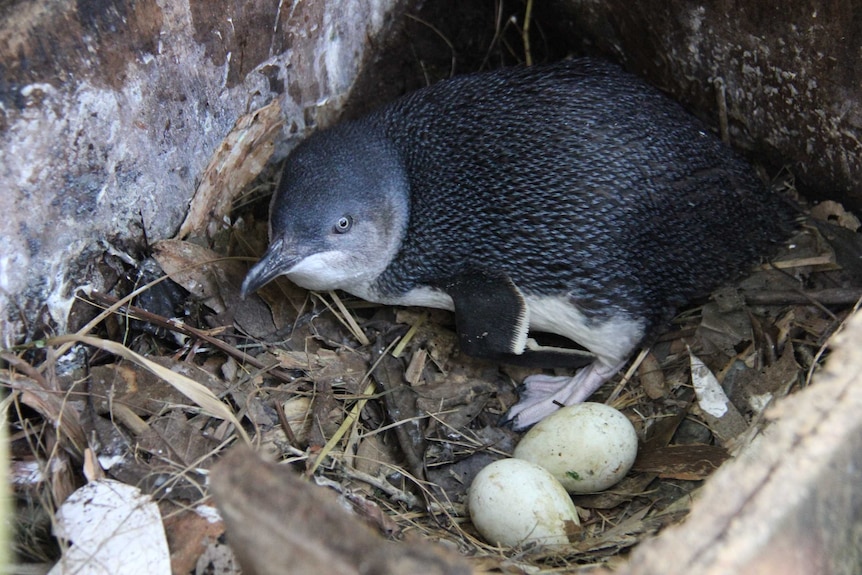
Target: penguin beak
276 261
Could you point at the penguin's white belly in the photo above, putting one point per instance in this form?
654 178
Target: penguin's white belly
612 340
420 297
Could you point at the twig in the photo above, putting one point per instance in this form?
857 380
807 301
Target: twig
351 321
628 375
442 36
399 349
826 344
525 33
180 327
828 296
394 493
352 415
285 425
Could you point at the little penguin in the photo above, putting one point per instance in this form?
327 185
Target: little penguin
570 198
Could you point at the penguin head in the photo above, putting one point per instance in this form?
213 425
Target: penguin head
338 214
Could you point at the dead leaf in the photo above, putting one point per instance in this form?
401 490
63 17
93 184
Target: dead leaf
691 462
114 528
189 534
52 405
847 246
724 330
454 403
237 161
193 390
374 457
130 385
831 211
758 389
652 378
718 412
207 275
172 437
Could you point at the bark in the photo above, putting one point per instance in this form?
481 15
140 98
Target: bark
278 523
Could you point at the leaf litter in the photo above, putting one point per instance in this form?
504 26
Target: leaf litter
377 404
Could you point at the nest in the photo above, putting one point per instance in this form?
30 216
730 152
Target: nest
376 405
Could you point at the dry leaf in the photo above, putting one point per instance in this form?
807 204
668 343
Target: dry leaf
200 395
686 462
176 439
723 419
132 386
207 275
52 406
237 161
114 528
830 211
190 533
652 377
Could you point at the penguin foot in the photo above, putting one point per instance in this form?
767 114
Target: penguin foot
542 395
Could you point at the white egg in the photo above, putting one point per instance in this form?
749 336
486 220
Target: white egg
588 447
514 502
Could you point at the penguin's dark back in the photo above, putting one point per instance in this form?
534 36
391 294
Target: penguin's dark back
573 178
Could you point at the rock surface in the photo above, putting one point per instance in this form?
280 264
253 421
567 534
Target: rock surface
109 112
783 77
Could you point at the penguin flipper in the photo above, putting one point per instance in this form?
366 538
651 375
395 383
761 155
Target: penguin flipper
492 319
490 314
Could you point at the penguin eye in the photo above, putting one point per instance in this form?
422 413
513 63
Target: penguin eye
343 224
